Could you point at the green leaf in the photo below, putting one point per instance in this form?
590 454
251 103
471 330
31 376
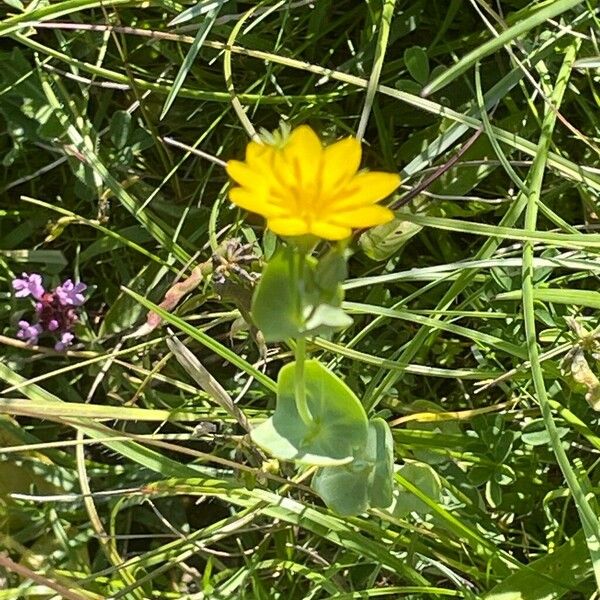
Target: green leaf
53 260
339 423
140 140
479 474
49 410
424 478
344 490
367 481
125 311
163 233
417 63
536 434
408 85
286 305
330 317
587 63
443 427
131 449
120 128
551 238
568 296
548 577
381 485
23 105
201 35
200 8
330 272
275 307
383 241
493 493
535 17
206 341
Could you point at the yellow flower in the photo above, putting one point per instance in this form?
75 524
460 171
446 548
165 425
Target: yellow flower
303 188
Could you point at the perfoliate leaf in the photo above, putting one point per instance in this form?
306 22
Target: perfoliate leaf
330 272
276 303
339 421
344 490
328 316
287 305
381 484
367 481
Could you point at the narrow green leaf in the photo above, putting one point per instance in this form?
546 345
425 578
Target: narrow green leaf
200 8
190 57
568 240
571 297
206 340
387 15
44 409
132 450
539 14
549 577
482 338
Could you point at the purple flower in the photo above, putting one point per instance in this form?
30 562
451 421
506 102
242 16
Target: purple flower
71 294
28 285
56 311
29 333
66 339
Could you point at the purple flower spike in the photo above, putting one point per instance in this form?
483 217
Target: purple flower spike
29 333
66 339
53 325
71 294
28 285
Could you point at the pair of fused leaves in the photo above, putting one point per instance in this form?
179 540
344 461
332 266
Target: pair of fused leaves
355 455
365 482
300 296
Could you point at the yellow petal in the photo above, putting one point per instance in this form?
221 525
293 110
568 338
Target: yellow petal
329 231
241 173
305 139
302 154
366 216
288 226
254 202
340 162
283 175
259 156
365 189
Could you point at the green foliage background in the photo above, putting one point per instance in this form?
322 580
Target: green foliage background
126 473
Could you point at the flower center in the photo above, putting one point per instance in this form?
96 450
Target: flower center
308 200
296 192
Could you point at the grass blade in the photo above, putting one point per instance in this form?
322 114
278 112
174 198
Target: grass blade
190 57
548 10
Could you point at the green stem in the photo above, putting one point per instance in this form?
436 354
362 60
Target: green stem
300 386
588 517
298 262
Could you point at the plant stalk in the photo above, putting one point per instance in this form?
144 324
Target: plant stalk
299 383
298 271
581 495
